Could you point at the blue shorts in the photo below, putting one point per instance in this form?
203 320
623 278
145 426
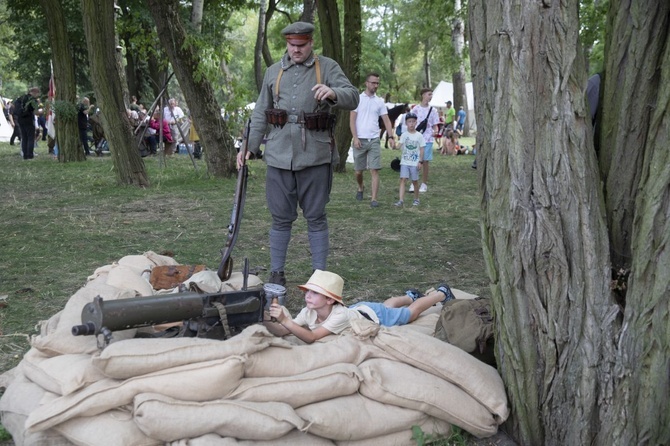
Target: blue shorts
428 152
411 172
388 316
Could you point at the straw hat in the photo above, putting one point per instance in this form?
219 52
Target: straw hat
326 283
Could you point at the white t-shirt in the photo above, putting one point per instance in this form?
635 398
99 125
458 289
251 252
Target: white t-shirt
336 322
174 114
411 143
369 110
433 120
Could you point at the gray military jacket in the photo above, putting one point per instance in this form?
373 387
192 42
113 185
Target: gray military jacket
284 148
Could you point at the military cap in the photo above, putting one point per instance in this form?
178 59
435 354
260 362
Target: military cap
298 33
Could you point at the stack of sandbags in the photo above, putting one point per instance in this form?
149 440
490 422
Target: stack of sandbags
367 388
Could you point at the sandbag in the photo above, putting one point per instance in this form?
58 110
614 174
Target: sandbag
139 262
60 341
398 384
135 357
293 438
61 374
446 361
356 417
20 398
165 277
127 278
196 382
168 419
298 390
236 281
280 361
431 426
112 428
159 259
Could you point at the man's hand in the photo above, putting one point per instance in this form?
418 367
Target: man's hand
323 92
357 143
240 161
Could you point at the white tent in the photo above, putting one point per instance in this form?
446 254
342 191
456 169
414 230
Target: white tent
445 92
6 128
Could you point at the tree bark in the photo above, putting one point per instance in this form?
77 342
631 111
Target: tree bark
67 132
635 159
634 52
98 17
196 14
458 77
334 47
260 41
213 131
544 234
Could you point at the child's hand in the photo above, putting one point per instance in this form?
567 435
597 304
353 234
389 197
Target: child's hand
277 312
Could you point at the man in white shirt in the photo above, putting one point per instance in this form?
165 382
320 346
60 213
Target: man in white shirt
173 114
364 125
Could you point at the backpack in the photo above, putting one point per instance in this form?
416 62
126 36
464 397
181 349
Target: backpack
468 325
21 107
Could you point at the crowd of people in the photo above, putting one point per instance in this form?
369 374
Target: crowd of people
27 116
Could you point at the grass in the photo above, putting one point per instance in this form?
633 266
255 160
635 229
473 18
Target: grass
62 221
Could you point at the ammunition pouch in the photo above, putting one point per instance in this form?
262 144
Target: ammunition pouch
320 121
278 117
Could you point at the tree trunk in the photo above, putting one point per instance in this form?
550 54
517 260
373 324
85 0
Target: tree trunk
308 11
635 161
333 47
98 17
260 40
196 14
458 77
632 74
426 67
213 131
544 236
67 132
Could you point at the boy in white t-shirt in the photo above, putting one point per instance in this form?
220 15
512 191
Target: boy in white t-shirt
412 144
324 313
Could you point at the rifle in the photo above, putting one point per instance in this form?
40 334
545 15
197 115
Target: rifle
226 265
211 315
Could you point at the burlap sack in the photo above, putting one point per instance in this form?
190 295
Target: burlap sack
112 428
446 361
135 357
20 398
280 361
422 324
458 294
195 382
137 262
61 374
299 390
206 281
60 341
356 417
236 281
431 426
160 259
127 278
293 438
168 419
399 384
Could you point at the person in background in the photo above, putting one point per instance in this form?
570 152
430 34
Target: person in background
412 145
424 112
450 117
460 120
364 125
174 116
83 110
26 121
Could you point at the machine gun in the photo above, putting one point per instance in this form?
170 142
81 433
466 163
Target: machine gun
207 315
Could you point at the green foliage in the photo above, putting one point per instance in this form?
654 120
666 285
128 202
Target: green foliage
592 30
66 111
4 435
457 438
